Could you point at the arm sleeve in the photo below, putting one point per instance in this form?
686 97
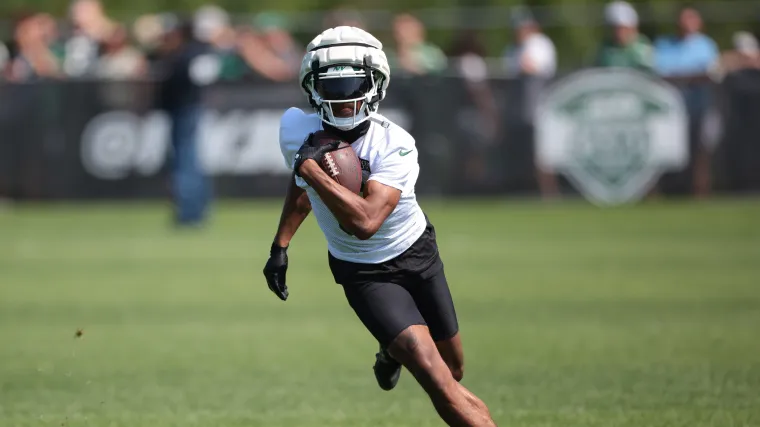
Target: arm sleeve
397 166
291 135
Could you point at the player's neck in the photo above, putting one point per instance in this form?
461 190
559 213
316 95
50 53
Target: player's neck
352 135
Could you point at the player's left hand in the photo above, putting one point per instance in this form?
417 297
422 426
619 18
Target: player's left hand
275 270
309 151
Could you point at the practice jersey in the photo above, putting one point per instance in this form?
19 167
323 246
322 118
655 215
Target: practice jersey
388 153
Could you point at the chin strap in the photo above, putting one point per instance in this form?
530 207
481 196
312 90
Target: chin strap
350 135
349 123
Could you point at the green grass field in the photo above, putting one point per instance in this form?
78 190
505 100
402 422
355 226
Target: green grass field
571 316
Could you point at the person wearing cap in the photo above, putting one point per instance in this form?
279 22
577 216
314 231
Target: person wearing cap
534 53
625 47
533 59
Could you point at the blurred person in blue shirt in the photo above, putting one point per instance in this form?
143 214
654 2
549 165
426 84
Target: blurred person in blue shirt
686 60
688 56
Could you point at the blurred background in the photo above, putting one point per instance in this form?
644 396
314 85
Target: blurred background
89 90
141 183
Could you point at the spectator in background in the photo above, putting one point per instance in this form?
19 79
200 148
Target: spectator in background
212 26
148 30
53 37
91 27
413 54
467 56
624 46
32 58
534 53
274 32
187 66
688 53
686 59
120 60
739 76
744 55
534 56
269 50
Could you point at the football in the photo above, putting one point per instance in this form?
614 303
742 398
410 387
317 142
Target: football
342 164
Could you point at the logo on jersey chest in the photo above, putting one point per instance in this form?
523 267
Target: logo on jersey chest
365 165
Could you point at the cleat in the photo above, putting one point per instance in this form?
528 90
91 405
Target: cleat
387 370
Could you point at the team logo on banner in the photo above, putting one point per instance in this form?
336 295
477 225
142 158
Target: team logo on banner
612 133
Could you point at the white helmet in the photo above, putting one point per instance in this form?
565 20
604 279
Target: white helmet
341 65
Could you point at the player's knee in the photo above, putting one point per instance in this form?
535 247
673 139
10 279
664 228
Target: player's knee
409 349
421 357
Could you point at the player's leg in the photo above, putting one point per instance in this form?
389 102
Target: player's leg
433 299
457 406
453 354
390 313
385 309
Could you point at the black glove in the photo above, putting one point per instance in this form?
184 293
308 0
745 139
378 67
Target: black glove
309 151
275 270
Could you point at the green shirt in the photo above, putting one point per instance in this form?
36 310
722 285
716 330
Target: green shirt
428 56
638 54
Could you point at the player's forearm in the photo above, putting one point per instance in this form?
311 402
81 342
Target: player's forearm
294 211
353 212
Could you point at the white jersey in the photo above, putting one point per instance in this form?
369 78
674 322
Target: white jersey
389 153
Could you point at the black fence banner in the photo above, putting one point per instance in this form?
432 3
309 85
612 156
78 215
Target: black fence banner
107 140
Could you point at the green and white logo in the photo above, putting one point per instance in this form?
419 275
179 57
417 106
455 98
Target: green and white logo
612 132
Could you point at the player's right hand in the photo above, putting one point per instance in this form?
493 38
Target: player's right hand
309 151
275 270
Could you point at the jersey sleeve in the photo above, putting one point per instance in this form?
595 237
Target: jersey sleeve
291 134
396 165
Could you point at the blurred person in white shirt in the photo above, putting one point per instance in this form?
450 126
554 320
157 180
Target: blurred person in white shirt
120 60
535 56
91 27
745 54
534 53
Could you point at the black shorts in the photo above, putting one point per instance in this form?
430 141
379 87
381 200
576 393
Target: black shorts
410 289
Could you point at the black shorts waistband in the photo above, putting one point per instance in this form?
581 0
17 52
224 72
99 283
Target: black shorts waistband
421 259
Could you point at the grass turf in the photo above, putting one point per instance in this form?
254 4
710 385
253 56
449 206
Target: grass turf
571 316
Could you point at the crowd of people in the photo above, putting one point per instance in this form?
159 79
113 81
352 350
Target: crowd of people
90 44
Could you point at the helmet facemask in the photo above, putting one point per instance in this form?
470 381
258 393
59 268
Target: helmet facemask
330 87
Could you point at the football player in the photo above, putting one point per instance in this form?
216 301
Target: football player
382 248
